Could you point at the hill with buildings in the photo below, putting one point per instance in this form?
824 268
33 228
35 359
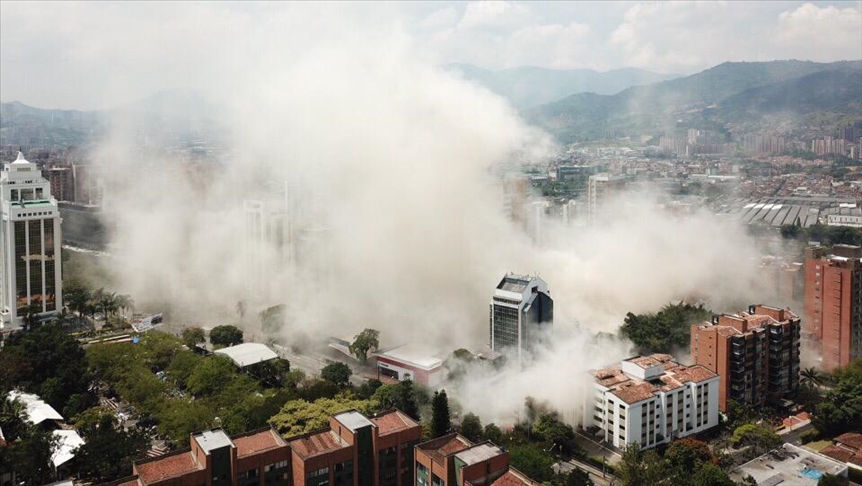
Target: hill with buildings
727 93
528 86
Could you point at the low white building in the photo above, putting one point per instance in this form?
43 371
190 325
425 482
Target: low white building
651 400
412 361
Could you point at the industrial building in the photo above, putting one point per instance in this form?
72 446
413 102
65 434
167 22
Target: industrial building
355 450
31 274
650 400
833 292
411 361
522 314
755 354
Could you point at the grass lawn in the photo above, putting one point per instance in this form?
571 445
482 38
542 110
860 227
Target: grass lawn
816 446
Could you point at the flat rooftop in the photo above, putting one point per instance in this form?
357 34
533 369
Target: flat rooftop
248 354
479 453
353 420
414 354
789 466
210 440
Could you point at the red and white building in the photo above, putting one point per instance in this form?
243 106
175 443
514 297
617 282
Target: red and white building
411 361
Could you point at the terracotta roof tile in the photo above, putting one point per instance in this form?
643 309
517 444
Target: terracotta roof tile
441 447
851 439
837 453
634 393
316 444
393 421
167 467
255 443
513 477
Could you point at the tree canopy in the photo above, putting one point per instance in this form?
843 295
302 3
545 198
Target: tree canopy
226 335
336 373
46 361
664 331
758 438
365 341
441 422
108 449
300 416
192 336
471 427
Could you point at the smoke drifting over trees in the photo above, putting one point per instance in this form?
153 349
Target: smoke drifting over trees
392 165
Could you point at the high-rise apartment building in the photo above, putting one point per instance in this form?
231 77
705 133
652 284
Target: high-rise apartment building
833 301
354 451
29 245
62 183
755 354
600 187
522 314
651 400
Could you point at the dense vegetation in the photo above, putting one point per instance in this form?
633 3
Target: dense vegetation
666 331
825 235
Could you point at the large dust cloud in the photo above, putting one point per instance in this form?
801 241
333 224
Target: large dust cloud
391 167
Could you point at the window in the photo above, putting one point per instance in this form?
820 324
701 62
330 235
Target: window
316 474
436 481
276 465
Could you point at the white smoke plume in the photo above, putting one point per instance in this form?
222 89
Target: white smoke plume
392 163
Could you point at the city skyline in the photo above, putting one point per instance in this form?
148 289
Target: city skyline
109 55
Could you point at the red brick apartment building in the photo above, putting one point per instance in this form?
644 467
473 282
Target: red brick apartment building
354 451
452 460
833 301
755 354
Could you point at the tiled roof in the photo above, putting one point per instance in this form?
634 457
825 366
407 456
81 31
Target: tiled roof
837 453
254 443
167 467
513 477
851 439
632 390
635 392
316 444
441 447
393 421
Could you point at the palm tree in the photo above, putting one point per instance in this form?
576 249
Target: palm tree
240 309
12 414
125 303
810 376
76 299
31 314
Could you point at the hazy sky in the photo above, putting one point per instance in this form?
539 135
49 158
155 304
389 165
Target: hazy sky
101 55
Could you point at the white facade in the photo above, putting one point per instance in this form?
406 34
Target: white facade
30 242
598 187
656 414
268 243
521 314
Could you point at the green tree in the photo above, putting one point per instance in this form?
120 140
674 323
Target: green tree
211 375
832 480
841 407
336 373
684 456
365 341
76 299
226 335
369 388
639 467
711 475
579 477
108 449
406 399
759 439
810 376
300 416
441 421
494 434
557 435
45 361
532 461
471 427
192 336
668 329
